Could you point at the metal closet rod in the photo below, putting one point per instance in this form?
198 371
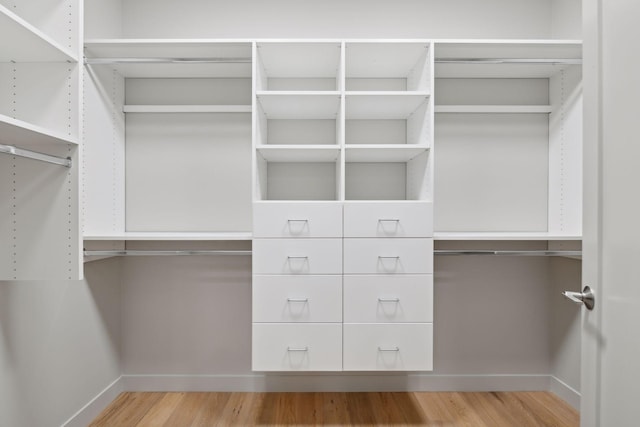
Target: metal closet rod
21 152
213 60
544 61
506 253
128 252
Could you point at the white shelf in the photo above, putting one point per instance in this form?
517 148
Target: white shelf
374 153
299 153
23 134
383 60
22 42
507 235
383 105
507 109
134 235
503 49
300 105
187 108
173 49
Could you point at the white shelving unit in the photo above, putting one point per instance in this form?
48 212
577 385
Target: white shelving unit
41 112
179 112
337 122
508 138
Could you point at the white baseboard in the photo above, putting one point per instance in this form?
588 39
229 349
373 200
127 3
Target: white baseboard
565 392
91 410
336 382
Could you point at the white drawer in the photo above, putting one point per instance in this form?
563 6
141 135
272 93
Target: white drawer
388 256
388 219
388 347
299 219
297 299
297 256
297 347
383 298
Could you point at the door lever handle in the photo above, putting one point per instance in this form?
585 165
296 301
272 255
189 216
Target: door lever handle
585 297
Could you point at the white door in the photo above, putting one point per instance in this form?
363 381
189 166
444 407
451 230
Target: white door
611 261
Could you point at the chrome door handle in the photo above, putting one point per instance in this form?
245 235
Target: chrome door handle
585 297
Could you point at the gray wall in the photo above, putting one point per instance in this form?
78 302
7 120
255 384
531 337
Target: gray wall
59 345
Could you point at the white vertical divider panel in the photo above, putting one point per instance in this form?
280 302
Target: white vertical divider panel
341 126
40 221
104 150
565 153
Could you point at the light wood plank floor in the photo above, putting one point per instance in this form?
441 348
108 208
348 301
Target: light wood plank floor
521 409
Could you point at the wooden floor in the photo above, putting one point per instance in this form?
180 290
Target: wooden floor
520 409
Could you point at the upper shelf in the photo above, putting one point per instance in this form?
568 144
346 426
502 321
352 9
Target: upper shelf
23 134
384 105
505 235
299 59
299 105
166 58
180 236
505 58
22 42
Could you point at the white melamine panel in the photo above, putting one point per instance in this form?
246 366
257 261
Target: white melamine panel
383 153
297 299
301 180
508 109
103 152
188 172
187 108
380 299
193 91
310 219
42 94
565 153
301 105
297 256
388 219
382 131
367 84
305 153
392 105
303 61
301 132
376 181
23 134
41 216
297 347
22 41
388 60
491 173
388 256
498 92
388 347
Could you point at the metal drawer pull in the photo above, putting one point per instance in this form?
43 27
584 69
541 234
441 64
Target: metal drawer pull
388 257
297 299
297 257
305 348
389 349
388 220
297 220
389 300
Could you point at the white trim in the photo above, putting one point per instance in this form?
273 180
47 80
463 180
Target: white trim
565 392
305 382
96 405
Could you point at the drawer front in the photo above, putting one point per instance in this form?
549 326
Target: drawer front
388 347
383 298
290 220
297 256
297 299
388 256
388 219
297 347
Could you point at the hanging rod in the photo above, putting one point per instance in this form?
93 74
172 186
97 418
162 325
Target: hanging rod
547 61
506 253
214 60
21 152
128 252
